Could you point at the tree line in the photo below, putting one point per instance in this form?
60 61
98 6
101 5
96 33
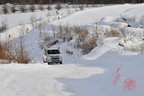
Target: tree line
71 1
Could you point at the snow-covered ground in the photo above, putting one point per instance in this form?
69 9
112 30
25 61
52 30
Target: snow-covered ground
108 70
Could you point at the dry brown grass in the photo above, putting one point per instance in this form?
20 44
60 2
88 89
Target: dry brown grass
122 32
84 42
119 32
114 33
2 52
15 51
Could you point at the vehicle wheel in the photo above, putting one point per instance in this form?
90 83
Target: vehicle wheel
60 62
44 61
47 61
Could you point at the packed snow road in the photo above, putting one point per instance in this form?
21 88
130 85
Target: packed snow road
43 79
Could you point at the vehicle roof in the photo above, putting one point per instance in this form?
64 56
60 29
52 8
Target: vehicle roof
52 49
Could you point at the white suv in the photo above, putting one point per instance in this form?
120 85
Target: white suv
52 55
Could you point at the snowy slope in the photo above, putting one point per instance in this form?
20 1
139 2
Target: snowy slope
107 14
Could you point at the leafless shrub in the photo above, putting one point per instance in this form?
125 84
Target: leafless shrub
114 33
68 11
81 33
87 6
3 61
107 32
54 31
76 29
13 8
53 42
4 25
122 32
2 52
15 51
48 7
81 7
23 8
41 7
69 52
61 32
33 20
57 12
58 6
134 46
142 46
83 41
39 28
87 45
96 28
67 7
64 33
93 5
67 33
22 54
9 49
47 41
5 9
48 14
32 8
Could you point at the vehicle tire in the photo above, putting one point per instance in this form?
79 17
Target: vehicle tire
44 61
60 62
47 61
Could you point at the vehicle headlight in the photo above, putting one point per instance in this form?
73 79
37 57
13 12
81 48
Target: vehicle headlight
60 57
49 57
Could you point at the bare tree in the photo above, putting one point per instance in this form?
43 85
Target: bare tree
96 28
33 20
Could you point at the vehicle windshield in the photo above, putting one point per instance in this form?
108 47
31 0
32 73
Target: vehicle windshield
53 51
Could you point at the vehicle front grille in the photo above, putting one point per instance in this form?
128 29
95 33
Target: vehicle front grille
54 57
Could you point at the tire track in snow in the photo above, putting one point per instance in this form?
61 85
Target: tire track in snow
40 80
